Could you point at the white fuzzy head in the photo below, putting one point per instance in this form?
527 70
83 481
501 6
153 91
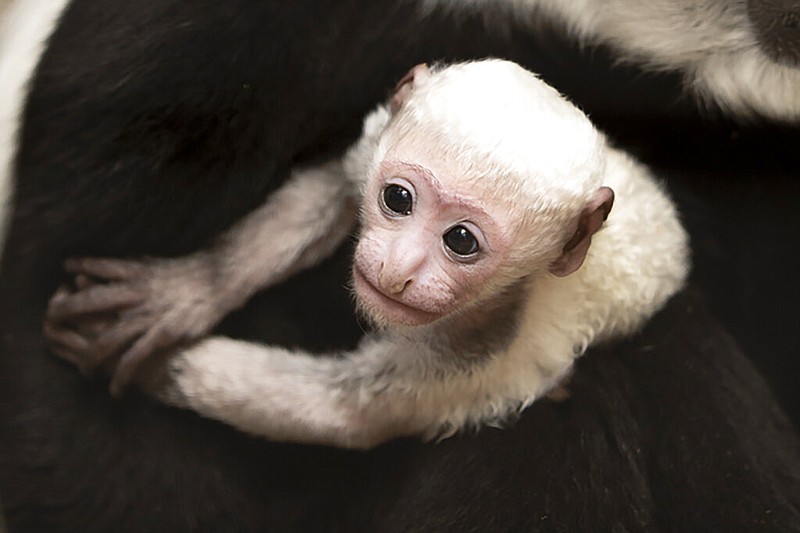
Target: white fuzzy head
500 119
511 136
499 150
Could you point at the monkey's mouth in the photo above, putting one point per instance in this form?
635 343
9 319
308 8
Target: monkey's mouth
379 303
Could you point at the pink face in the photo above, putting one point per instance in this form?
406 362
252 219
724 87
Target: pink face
425 250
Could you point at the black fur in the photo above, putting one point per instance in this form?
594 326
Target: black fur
777 28
152 125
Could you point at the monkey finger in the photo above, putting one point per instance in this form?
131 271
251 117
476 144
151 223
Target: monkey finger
90 326
114 340
61 293
83 282
153 341
108 269
95 325
74 358
96 299
65 337
63 347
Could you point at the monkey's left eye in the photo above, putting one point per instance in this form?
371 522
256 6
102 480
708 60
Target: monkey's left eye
398 199
461 241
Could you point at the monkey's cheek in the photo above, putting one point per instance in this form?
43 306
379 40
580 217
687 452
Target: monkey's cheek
387 310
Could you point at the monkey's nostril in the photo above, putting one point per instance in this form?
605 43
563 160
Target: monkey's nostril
392 285
397 286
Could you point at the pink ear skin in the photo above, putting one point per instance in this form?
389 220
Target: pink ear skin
413 78
591 219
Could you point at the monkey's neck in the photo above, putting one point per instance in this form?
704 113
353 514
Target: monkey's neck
486 328
473 333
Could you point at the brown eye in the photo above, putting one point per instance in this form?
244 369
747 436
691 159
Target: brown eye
461 241
398 199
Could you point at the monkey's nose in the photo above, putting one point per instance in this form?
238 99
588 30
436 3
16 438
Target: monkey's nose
392 284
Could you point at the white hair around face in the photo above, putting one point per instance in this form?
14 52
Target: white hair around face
511 138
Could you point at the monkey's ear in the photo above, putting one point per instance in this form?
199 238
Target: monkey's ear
590 220
413 78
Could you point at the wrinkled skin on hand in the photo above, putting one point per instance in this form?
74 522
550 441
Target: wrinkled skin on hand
119 313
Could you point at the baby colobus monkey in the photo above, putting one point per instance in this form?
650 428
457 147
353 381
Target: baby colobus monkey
481 190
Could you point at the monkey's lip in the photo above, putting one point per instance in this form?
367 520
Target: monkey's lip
401 312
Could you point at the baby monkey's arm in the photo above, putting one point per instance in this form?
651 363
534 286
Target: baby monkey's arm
159 303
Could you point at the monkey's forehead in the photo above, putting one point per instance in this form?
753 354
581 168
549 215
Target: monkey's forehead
493 99
437 177
509 122
534 177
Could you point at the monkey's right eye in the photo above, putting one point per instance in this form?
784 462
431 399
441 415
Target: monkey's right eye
398 199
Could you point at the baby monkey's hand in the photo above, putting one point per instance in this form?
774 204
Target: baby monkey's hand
121 312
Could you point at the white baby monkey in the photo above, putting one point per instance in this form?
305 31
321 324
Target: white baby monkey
480 190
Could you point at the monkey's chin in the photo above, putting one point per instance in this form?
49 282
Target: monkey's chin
387 311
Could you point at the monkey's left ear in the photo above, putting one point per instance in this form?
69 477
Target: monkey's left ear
413 78
590 220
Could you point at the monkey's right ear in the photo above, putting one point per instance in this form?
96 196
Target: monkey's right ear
589 222
413 78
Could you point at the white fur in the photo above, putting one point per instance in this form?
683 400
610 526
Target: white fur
542 137
24 31
398 383
312 207
710 41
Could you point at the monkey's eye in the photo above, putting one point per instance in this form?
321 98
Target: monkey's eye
461 241
398 199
